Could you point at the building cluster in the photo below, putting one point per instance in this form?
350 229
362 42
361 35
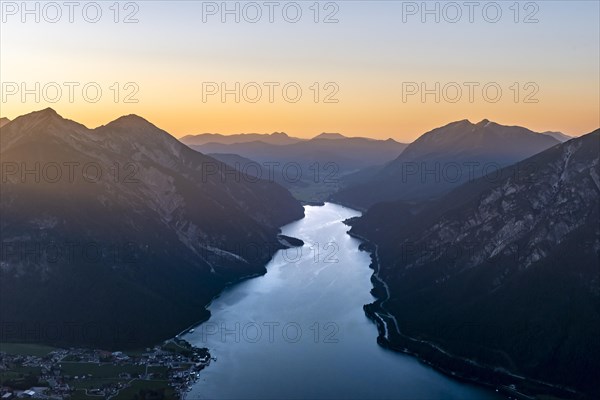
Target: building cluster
60 373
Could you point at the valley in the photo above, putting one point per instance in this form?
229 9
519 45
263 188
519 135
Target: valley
320 200
134 256
454 249
481 263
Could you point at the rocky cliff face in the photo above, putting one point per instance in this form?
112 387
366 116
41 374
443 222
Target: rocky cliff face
504 271
122 230
538 206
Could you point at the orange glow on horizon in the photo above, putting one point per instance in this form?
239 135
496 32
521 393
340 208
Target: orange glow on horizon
403 123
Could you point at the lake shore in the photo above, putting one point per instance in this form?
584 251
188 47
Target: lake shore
323 293
435 356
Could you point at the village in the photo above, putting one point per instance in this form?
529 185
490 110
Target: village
166 371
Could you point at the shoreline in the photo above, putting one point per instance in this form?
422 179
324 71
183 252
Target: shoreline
433 355
234 282
216 296
54 372
179 337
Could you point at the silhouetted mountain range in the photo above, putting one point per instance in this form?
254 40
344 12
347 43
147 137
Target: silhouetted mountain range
311 169
326 135
561 137
347 153
166 227
4 121
278 138
440 160
501 272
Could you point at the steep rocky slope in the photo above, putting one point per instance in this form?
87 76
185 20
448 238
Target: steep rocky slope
120 235
504 272
441 160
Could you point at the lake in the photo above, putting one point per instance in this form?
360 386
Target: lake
300 331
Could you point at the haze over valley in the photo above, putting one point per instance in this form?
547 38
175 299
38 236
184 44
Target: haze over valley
300 200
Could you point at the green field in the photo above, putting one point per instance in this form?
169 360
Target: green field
106 374
314 192
107 370
20 377
92 375
81 395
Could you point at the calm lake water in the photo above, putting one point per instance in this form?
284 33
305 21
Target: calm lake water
300 331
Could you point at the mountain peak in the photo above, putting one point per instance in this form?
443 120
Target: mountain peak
463 123
48 111
139 130
326 135
45 116
4 121
45 113
130 121
131 118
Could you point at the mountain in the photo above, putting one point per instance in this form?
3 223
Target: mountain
234 160
440 160
119 236
289 175
4 121
332 136
277 138
252 168
500 278
311 169
348 153
561 137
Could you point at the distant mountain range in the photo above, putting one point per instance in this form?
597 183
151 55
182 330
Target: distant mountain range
440 160
485 238
278 138
312 168
561 137
325 135
122 231
348 153
502 272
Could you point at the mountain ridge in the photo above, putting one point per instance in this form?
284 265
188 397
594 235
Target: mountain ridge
502 272
170 226
441 159
310 168
279 138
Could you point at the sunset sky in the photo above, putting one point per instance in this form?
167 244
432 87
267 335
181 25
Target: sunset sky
369 55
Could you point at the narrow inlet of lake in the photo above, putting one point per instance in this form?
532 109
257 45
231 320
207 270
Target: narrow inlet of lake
300 330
